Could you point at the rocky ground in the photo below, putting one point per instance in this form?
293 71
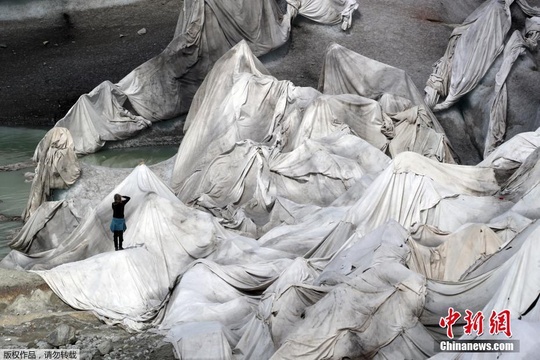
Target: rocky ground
33 317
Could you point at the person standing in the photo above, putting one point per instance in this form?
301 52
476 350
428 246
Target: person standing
118 223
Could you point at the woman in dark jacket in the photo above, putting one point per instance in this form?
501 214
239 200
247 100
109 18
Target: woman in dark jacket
118 223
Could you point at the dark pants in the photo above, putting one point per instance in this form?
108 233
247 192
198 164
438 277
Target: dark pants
118 239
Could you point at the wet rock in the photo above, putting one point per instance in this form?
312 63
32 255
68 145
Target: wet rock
62 335
43 345
163 350
4 218
89 354
37 301
17 166
105 347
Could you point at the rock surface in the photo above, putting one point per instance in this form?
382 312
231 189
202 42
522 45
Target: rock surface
30 312
39 84
61 336
411 35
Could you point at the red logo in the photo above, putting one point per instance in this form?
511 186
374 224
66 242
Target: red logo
500 323
447 322
474 323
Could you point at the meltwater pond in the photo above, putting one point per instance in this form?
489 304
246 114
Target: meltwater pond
17 146
130 157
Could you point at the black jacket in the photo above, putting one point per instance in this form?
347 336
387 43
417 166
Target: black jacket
118 208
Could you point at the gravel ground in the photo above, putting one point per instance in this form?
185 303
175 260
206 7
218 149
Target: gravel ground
47 64
30 313
38 84
41 81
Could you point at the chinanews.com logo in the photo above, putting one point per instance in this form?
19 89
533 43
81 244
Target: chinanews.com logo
498 322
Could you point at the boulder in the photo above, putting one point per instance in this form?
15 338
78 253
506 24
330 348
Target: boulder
62 335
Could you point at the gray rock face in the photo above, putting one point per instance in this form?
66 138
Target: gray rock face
523 102
43 345
466 123
105 347
37 301
62 335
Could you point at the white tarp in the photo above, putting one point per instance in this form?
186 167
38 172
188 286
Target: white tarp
47 227
358 317
458 252
57 167
240 153
471 50
509 156
252 152
346 72
340 302
512 285
523 187
515 47
100 116
417 190
163 87
92 235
